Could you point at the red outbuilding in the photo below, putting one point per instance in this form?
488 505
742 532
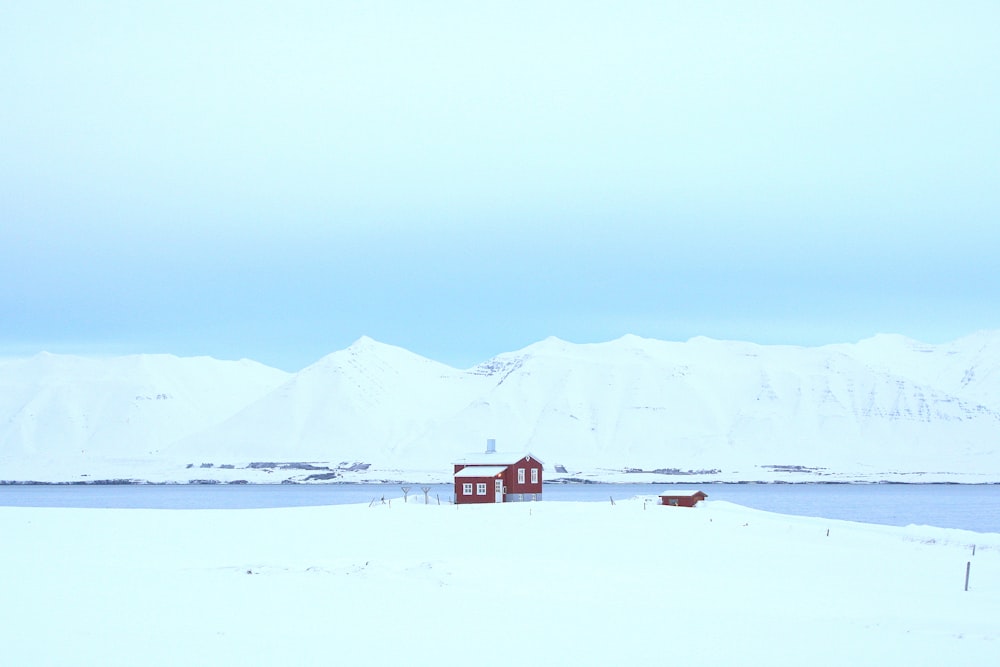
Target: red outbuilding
497 477
678 498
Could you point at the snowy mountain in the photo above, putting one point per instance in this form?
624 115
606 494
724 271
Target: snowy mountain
713 404
732 410
368 402
64 413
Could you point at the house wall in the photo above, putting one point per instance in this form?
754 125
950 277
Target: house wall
514 489
462 499
681 501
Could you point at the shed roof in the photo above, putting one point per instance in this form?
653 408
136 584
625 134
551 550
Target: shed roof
681 492
480 471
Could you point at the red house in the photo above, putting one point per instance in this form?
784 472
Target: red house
678 498
496 477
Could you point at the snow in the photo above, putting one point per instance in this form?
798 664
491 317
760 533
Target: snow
480 471
130 406
888 408
632 583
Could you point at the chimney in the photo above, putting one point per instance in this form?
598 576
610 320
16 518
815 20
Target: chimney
491 446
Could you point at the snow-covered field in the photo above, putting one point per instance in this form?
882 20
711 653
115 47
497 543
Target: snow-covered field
534 584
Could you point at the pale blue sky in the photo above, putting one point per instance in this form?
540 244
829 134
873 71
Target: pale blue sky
274 180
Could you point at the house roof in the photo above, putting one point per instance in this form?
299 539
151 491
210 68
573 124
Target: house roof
494 458
681 492
480 471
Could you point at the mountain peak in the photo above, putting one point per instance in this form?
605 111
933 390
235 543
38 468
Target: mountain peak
368 345
367 351
554 341
363 342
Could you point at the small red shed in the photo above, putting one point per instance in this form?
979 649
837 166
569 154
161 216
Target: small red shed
678 498
496 477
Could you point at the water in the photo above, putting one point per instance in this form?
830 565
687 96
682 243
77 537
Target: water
972 507
208 496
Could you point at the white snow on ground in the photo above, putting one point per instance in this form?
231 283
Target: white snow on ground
533 584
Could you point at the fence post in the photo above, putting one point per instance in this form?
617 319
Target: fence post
968 566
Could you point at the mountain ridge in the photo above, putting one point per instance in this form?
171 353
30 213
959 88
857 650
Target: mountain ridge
887 404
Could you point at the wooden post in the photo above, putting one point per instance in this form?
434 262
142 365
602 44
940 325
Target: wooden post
612 500
973 549
406 491
425 489
968 566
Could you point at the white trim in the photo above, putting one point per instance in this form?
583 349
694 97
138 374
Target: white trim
534 475
467 489
481 489
520 475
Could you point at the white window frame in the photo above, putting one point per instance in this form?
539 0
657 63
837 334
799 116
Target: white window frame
467 489
534 475
520 475
481 489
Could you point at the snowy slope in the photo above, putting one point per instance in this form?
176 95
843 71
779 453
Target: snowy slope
369 401
59 407
968 368
581 584
718 404
884 405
